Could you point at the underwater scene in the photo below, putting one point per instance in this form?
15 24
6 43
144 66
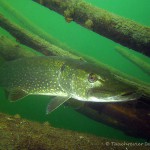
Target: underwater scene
74 74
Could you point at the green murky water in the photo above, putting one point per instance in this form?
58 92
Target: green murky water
85 42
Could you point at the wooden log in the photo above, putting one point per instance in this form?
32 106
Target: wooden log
11 50
121 30
134 59
122 116
32 40
28 24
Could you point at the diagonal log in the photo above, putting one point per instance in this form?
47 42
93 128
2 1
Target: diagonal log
122 116
11 50
121 30
145 66
28 24
32 40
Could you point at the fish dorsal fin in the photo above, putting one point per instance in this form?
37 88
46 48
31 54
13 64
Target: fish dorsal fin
15 94
55 103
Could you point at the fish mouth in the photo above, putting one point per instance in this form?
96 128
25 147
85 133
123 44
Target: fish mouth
110 97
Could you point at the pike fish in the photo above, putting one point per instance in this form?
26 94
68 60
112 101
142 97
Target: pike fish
63 78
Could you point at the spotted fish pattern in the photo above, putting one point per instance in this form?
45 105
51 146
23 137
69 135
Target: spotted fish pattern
63 78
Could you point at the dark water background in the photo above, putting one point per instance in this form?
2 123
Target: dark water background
85 42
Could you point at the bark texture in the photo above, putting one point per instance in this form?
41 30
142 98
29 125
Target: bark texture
32 40
121 30
28 24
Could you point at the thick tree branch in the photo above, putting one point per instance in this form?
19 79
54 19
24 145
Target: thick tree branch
119 29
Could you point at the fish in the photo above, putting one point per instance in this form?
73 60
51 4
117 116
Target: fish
63 78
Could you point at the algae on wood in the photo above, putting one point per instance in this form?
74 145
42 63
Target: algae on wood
32 40
11 50
114 27
25 22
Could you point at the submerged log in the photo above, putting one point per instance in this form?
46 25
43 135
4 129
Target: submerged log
131 117
25 22
32 40
134 59
121 30
11 50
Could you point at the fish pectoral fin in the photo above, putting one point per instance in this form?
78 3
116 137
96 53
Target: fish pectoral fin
15 94
55 103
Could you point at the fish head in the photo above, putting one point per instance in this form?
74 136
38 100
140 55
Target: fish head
98 84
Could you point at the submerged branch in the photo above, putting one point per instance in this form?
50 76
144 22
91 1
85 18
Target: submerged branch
25 22
11 50
32 40
134 59
119 29
121 115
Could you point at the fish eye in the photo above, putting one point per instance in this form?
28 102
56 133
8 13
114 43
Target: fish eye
92 77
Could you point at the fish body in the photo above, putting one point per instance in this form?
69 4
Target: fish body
63 78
